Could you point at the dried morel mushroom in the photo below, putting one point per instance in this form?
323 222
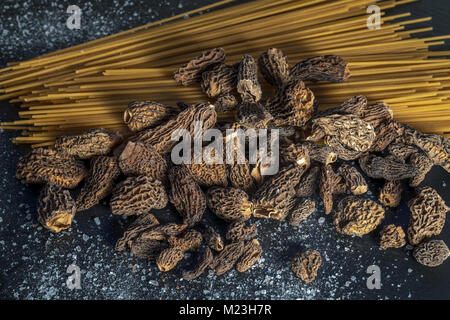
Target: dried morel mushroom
241 230
435 146
386 134
164 231
227 258
226 103
306 264
238 168
138 195
301 211
56 208
386 168
205 261
308 184
141 115
391 193
432 253
320 153
342 151
354 105
329 184
423 163
191 72
275 198
263 168
147 248
392 237
252 252
139 159
428 213
160 137
229 204
190 240
135 229
207 174
169 258
212 238
95 142
357 216
377 113
49 166
247 83
401 150
322 68
219 80
186 195
350 130
353 179
295 153
252 115
240 176
274 67
99 183
293 105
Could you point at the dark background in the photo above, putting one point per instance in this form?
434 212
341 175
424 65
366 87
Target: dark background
33 261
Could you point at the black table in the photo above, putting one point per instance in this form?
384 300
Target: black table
34 262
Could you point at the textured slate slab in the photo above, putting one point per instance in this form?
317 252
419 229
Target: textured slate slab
34 262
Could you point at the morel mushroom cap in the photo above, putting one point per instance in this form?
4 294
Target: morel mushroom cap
248 85
274 67
357 216
392 236
219 80
322 68
160 137
191 72
275 198
43 165
56 208
241 230
95 142
391 193
138 195
421 161
204 262
377 114
301 211
432 253
169 258
293 105
353 132
99 183
306 264
428 213
229 203
353 179
386 168
139 159
141 115
227 258
186 195
251 254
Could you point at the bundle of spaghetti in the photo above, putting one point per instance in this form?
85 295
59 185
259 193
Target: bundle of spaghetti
90 85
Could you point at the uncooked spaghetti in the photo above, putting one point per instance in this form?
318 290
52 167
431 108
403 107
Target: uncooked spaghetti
90 85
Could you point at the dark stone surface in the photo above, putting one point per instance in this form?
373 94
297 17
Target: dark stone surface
34 262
